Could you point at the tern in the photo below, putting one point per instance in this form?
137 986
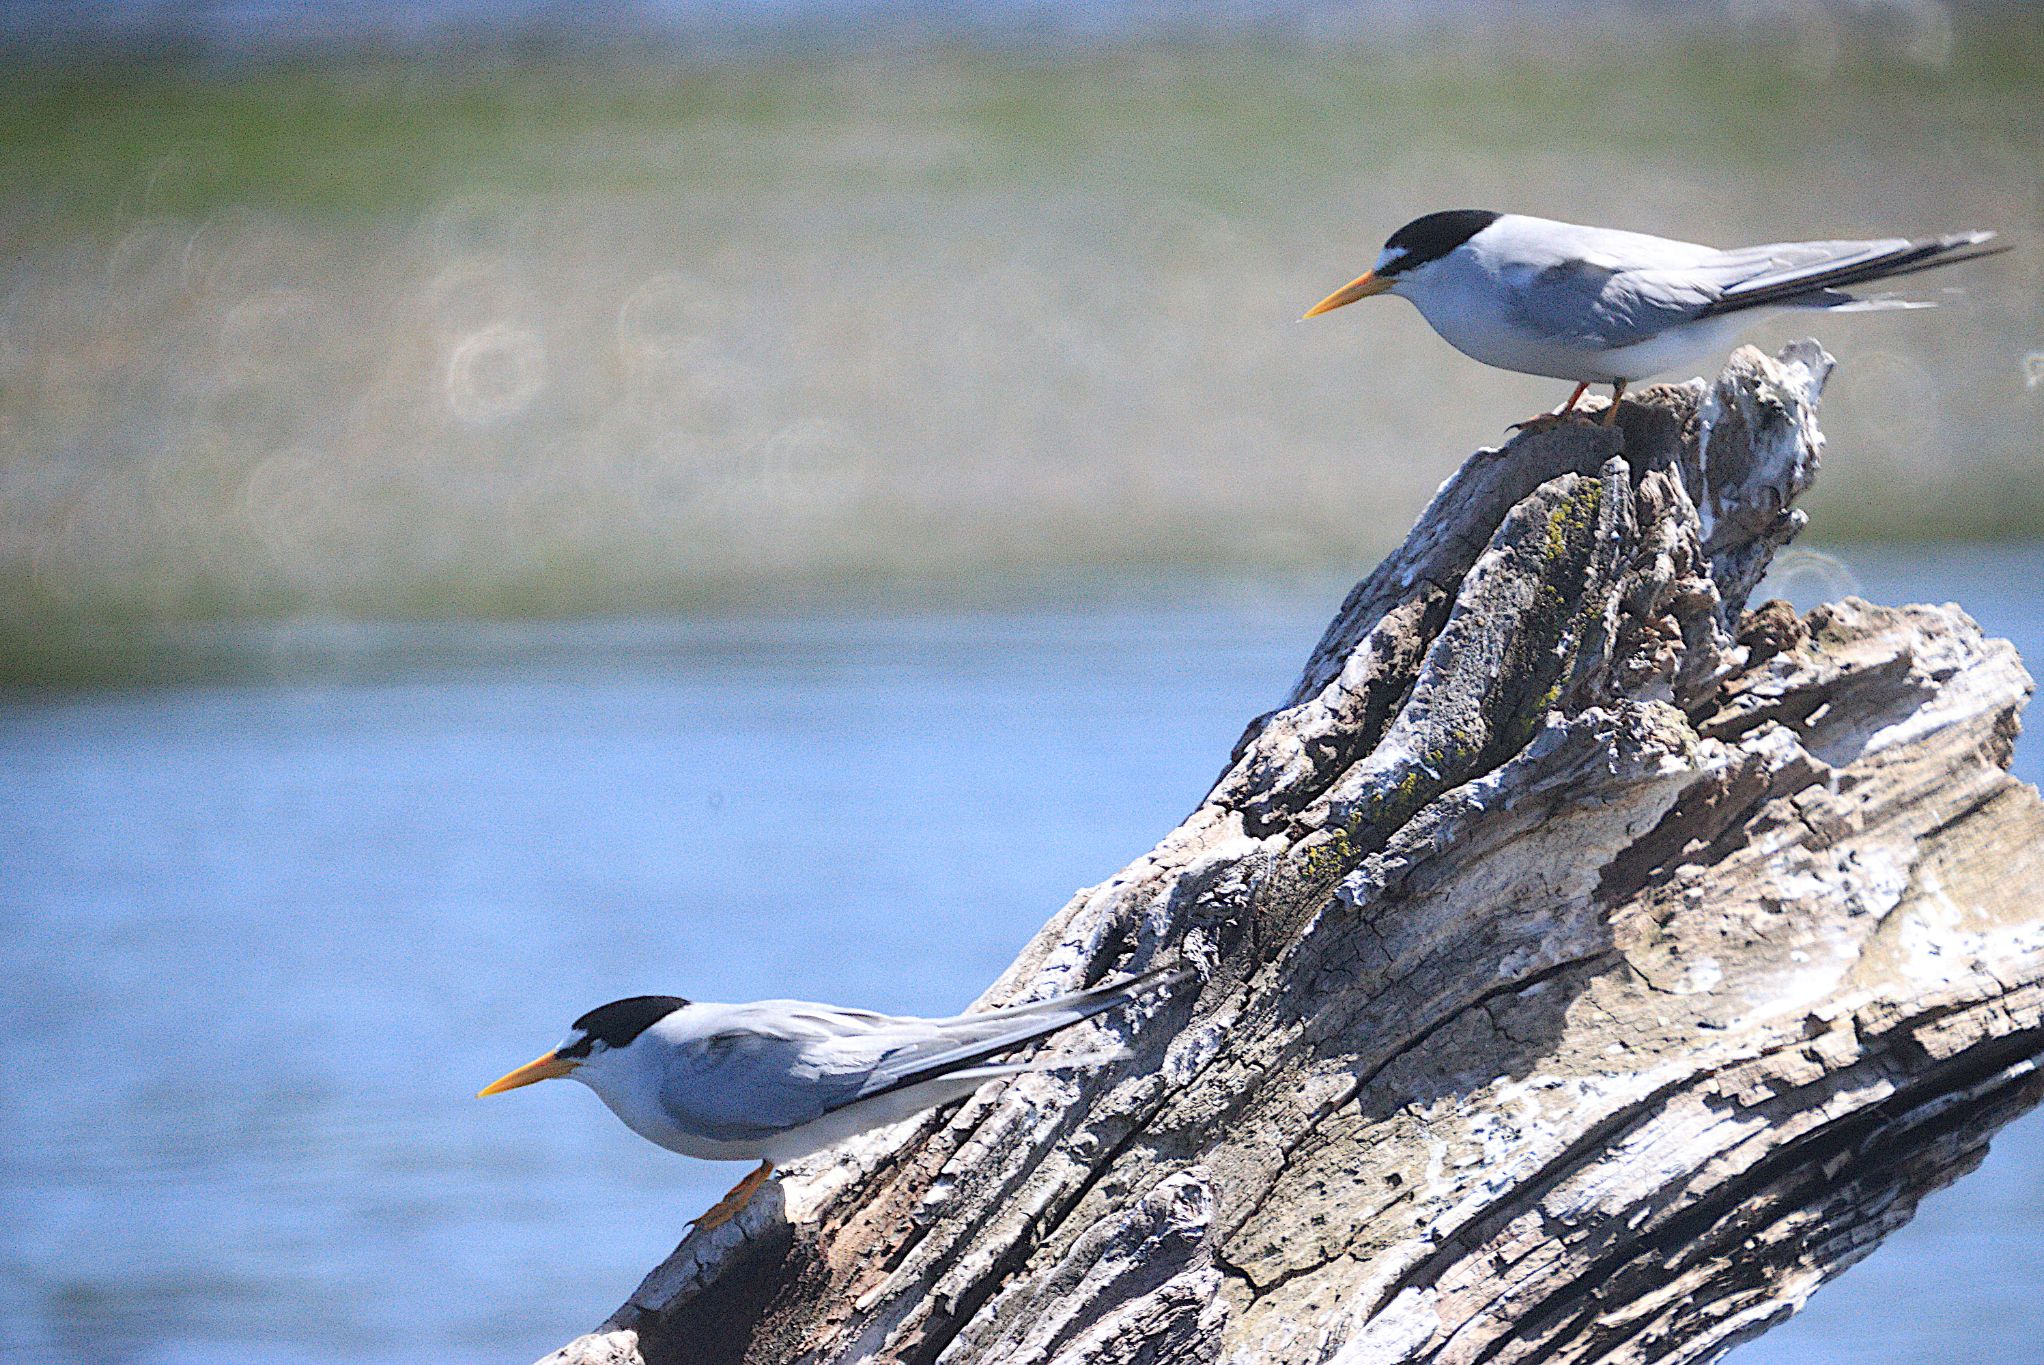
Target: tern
775 1080
1600 306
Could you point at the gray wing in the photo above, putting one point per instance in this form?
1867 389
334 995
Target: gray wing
777 1065
765 1068
1590 303
1600 303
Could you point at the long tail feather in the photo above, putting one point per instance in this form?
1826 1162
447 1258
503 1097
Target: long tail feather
1110 991
1031 1022
1809 282
1063 1061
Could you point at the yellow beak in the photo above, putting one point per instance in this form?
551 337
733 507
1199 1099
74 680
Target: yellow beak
1360 287
544 1068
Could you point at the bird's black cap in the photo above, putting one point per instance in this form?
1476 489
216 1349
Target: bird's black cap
619 1022
1434 236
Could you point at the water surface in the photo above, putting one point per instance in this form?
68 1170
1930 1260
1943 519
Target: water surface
269 933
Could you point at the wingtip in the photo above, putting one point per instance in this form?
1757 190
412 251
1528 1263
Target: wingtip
1976 237
1972 246
1157 977
1152 979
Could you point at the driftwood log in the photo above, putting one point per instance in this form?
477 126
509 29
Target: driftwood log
1588 969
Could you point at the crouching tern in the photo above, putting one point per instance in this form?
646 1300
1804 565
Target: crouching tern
1598 306
775 1080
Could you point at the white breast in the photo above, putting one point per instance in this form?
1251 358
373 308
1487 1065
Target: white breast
632 1092
1467 303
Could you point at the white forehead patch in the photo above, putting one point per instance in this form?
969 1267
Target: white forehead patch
1389 256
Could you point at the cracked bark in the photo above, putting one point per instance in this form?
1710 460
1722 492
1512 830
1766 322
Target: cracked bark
1590 968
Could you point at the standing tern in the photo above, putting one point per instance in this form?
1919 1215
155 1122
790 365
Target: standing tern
775 1080
1599 306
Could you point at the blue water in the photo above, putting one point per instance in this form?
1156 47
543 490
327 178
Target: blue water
268 935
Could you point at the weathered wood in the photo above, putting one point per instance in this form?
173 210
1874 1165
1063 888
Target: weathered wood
1589 971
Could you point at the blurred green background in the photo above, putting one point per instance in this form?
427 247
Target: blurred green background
534 321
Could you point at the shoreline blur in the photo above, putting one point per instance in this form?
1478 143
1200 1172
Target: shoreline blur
331 650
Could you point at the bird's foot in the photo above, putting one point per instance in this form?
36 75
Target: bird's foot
727 1208
1548 421
1617 396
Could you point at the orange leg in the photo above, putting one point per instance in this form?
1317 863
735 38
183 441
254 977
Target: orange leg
1617 392
725 1209
1547 421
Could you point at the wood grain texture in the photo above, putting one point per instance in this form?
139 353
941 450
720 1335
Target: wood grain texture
1589 968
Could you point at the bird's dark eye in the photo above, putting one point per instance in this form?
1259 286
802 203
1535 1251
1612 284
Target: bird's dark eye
576 1050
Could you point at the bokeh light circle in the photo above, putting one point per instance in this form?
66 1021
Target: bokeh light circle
495 373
